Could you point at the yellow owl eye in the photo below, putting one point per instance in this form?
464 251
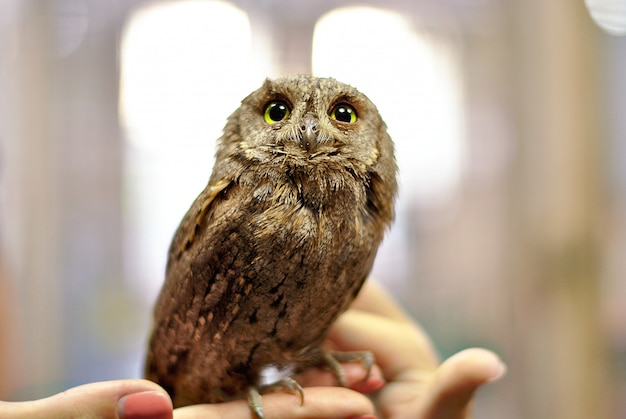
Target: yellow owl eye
344 113
275 112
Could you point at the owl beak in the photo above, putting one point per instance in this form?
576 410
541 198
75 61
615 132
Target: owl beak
309 132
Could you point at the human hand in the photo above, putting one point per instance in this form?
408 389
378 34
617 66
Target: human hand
417 386
142 399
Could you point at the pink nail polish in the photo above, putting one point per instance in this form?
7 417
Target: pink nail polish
145 405
370 385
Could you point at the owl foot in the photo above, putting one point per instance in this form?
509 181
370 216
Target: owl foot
287 384
332 361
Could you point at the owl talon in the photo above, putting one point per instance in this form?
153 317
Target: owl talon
254 401
287 384
332 361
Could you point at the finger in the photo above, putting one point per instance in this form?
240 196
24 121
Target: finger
457 379
122 399
397 346
355 374
373 298
319 402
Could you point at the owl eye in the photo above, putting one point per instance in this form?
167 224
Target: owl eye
344 113
275 112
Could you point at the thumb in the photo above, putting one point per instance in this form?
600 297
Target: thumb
457 379
121 399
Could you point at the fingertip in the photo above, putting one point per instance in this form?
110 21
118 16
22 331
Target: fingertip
473 367
356 378
145 405
359 380
369 385
457 379
498 369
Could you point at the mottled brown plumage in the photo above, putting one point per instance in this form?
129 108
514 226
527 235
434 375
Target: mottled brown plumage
278 244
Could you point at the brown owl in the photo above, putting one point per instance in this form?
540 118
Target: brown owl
277 245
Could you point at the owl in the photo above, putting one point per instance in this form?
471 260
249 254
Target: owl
276 246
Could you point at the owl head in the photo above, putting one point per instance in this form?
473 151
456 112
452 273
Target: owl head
305 121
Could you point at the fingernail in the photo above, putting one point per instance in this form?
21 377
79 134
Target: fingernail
370 385
498 372
363 417
145 405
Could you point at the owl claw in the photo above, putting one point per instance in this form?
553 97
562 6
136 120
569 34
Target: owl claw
332 361
285 384
254 401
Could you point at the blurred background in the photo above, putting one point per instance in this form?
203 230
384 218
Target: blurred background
508 119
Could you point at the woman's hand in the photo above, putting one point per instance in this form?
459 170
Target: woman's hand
418 387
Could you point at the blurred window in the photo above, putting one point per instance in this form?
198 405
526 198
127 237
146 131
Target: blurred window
185 65
412 79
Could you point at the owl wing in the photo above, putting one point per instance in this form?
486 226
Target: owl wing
174 323
201 209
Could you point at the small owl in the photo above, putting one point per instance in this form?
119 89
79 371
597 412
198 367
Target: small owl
277 245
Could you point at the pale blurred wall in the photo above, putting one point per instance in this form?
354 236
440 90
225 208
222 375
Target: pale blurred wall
559 199
526 259
61 189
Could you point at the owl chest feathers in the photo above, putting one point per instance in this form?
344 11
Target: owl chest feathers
311 242
308 204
